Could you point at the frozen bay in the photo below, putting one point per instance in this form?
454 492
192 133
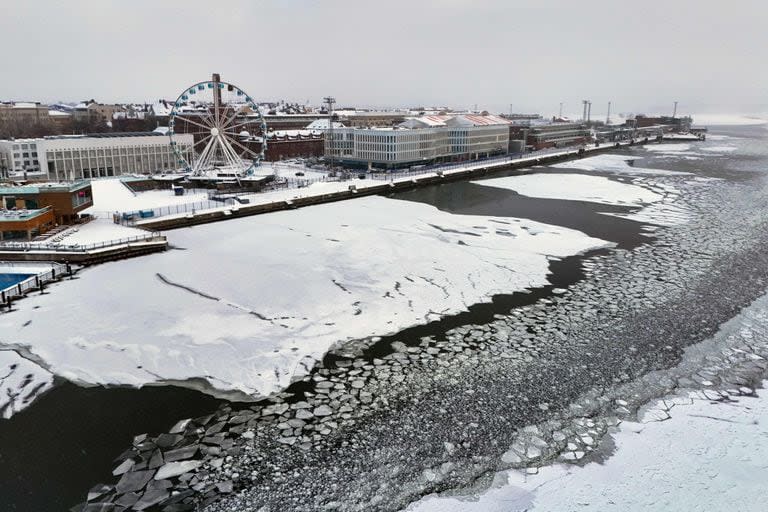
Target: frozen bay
250 303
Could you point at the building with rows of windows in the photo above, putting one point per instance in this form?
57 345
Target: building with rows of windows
420 140
76 157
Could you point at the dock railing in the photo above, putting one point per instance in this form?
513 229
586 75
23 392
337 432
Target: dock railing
35 282
27 246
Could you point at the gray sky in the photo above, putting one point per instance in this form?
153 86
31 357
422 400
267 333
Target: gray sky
710 55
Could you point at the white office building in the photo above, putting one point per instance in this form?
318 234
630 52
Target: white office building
75 157
420 140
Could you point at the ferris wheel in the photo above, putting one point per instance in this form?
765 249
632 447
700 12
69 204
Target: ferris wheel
228 130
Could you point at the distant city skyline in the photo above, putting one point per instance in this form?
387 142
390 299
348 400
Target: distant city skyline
532 55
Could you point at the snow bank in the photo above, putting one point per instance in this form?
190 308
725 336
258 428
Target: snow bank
575 187
706 457
618 164
242 303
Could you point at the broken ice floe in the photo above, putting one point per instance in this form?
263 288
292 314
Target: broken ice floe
21 381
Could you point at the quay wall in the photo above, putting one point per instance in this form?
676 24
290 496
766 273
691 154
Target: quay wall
175 222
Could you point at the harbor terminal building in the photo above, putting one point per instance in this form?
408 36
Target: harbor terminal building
419 140
77 157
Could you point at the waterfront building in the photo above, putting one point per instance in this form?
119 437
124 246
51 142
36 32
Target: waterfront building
76 157
285 144
420 140
551 135
669 123
29 210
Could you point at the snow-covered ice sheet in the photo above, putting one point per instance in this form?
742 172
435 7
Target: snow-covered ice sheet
720 149
657 199
706 457
576 187
21 381
242 303
728 119
668 148
617 164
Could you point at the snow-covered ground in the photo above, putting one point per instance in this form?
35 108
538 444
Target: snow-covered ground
111 195
706 457
576 187
21 381
288 170
100 230
242 303
96 231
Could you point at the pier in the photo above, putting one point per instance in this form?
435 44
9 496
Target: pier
86 254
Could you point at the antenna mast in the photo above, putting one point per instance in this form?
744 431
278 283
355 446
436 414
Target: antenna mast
330 100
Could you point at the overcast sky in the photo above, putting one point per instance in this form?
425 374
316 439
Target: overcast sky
710 55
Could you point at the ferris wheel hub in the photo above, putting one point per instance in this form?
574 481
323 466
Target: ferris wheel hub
215 132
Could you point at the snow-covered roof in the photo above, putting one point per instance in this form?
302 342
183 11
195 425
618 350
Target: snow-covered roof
293 133
322 124
425 121
477 120
354 113
432 121
162 108
129 115
26 104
